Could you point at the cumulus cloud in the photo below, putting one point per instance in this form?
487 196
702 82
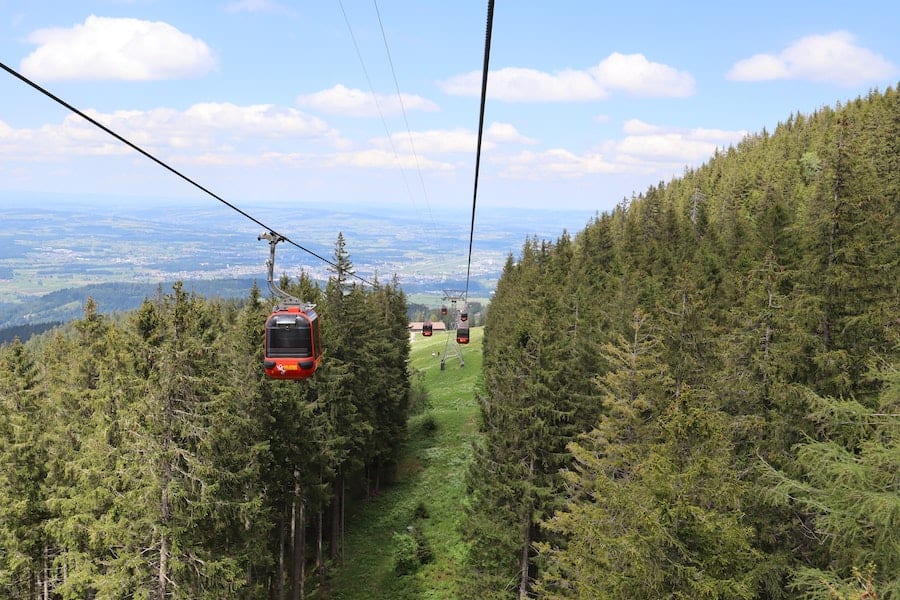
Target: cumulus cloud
643 149
353 102
505 133
630 73
203 130
830 58
453 141
431 141
638 127
377 158
666 146
515 84
116 48
634 74
258 120
645 143
556 161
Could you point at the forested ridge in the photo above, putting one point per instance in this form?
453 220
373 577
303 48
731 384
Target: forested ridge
697 396
149 457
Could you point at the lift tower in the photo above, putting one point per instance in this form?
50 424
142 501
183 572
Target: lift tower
454 349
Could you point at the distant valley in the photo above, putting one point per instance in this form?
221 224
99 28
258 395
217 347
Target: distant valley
54 256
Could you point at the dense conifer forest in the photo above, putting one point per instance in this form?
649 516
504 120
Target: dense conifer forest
698 395
148 457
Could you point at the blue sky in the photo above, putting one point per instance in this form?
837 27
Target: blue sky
266 101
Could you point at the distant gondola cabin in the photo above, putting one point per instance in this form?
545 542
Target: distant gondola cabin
427 329
464 316
443 310
292 343
462 335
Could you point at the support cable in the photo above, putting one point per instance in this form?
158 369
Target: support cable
405 119
172 170
387 130
484 81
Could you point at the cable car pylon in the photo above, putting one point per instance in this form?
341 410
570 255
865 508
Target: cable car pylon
456 326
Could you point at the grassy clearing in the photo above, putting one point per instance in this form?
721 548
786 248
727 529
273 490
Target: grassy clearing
430 477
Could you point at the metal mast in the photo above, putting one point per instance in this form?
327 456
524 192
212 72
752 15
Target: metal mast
286 299
453 349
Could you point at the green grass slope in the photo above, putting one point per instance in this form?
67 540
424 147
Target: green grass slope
427 494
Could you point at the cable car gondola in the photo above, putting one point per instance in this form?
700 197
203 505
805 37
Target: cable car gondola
443 311
292 341
463 316
462 335
427 329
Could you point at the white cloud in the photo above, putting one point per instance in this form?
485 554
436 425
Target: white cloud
719 136
111 48
759 67
202 129
555 162
631 73
637 126
446 141
432 141
668 146
354 102
505 133
645 143
644 149
831 58
258 120
515 84
638 76
377 158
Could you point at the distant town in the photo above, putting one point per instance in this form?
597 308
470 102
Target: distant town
50 252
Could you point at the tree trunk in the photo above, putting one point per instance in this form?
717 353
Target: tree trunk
526 544
343 497
302 542
46 569
279 573
320 558
165 511
838 185
334 549
295 569
523 567
163 559
296 541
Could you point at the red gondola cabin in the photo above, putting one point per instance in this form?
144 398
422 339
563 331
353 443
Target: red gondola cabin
427 329
292 343
462 335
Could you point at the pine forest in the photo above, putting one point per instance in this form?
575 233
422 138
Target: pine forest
696 396
148 458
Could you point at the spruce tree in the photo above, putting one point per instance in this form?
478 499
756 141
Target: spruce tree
23 469
848 493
